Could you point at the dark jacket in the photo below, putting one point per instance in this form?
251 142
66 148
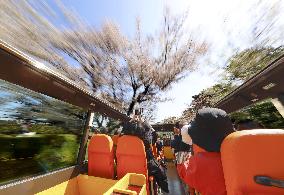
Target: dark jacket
179 145
159 145
176 142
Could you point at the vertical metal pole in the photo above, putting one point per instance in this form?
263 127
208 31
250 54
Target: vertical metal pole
84 140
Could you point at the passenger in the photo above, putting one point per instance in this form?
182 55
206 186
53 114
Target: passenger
161 157
154 136
175 143
148 132
159 145
137 127
184 151
204 172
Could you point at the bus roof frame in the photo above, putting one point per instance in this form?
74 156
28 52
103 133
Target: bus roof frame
268 83
18 68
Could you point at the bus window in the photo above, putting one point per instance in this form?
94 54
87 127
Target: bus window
257 116
38 133
103 125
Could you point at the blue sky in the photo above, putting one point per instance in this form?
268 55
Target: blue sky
227 26
123 12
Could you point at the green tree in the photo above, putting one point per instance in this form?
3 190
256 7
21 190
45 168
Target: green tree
112 125
240 67
207 98
170 120
247 63
264 113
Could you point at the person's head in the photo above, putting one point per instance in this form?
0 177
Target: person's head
147 126
137 114
209 128
133 128
177 128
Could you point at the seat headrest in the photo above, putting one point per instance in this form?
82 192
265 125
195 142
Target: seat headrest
248 153
130 145
100 143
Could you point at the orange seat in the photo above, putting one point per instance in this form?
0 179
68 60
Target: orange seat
250 153
101 156
131 156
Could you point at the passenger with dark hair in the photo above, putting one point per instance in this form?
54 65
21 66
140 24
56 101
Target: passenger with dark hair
159 145
154 136
137 127
175 143
204 171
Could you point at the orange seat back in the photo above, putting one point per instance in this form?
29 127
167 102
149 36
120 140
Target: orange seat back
101 156
131 156
248 153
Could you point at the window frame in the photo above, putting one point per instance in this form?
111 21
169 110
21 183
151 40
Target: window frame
20 69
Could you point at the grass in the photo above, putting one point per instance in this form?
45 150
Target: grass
30 155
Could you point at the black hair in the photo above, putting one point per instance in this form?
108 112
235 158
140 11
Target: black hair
133 128
209 128
177 125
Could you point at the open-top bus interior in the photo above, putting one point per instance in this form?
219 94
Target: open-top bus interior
61 113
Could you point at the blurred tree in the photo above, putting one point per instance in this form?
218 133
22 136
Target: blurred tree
20 105
207 98
247 63
132 71
125 71
188 114
170 120
29 26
